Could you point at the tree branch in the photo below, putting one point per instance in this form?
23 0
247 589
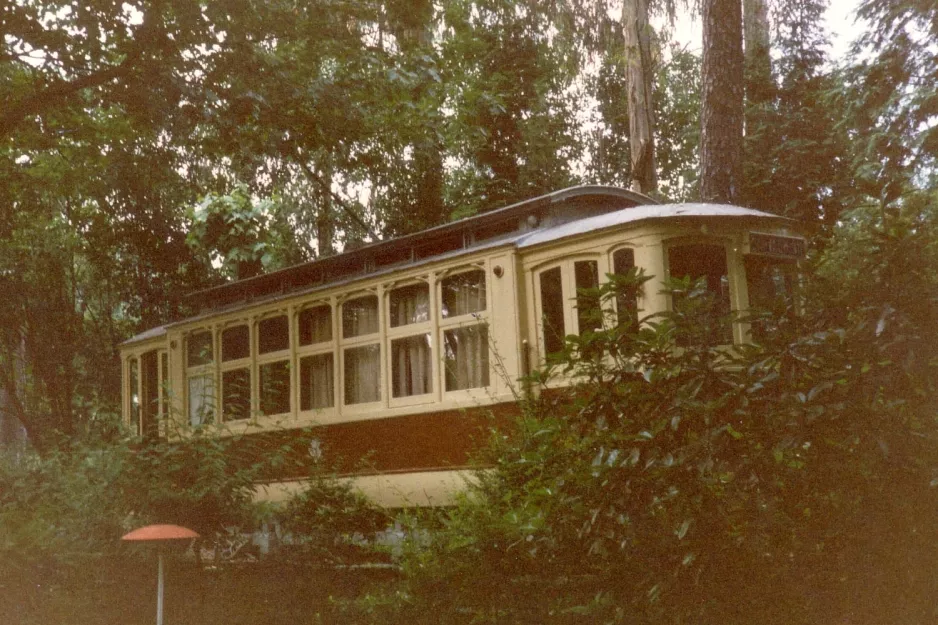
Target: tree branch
56 92
338 199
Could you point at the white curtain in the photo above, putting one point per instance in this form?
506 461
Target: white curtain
317 382
411 365
201 399
467 357
362 374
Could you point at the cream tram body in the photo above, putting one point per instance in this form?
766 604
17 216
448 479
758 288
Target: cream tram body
403 350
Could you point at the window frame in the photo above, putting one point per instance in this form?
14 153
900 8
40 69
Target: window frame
409 330
734 272
453 322
259 360
134 389
225 366
640 294
362 340
330 347
568 291
209 370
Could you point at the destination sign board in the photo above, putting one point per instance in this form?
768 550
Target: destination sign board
776 245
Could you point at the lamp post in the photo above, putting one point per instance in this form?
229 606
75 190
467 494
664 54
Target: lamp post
160 534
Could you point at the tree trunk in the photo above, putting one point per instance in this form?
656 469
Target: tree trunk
412 23
758 64
722 101
638 80
325 215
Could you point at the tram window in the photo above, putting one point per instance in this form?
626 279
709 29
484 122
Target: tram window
552 310
317 375
273 334
134 396
362 373
201 399
770 282
410 304
466 357
315 325
771 285
707 261
150 404
274 384
235 343
236 394
588 313
360 316
199 349
623 262
463 293
410 366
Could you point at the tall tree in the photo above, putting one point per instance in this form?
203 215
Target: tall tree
757 57
639 81
797 146
893 97
413 24
677 114
721 114
513 132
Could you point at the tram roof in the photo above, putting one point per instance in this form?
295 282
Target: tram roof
540 220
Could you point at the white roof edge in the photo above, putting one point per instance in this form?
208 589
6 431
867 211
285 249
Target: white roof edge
146 335
641 213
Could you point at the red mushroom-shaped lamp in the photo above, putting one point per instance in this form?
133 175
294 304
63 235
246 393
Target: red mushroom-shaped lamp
159 534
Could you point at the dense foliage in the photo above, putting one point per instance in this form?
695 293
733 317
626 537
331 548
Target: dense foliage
149 149
792 481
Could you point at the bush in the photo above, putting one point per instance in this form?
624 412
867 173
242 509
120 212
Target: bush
62 515
792 481
329 522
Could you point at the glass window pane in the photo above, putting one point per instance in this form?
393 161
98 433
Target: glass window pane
463 293
707 262
235 343
771 283
317 375
623 262
199 349
164 383
552 310
771 286
236 394
360 316
410 366
134 396
150 414
201 399
273 334
588 313
410 304
315 325
362 374
466 357
274 382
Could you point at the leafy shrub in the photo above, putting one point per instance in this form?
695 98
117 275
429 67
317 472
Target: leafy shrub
677 480
329 522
